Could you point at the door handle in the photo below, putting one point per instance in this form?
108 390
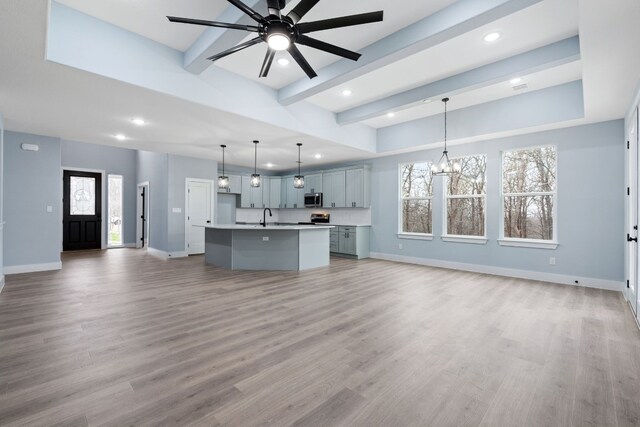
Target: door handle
632 239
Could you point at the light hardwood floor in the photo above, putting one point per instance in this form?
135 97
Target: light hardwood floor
122 338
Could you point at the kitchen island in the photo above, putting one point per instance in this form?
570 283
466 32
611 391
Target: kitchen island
274 247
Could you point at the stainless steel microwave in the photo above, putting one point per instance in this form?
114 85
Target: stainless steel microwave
313 200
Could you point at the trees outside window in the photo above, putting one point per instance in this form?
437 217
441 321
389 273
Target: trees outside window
529 193
465 198
416 188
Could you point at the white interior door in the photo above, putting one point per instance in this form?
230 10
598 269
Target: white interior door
632 222
199 213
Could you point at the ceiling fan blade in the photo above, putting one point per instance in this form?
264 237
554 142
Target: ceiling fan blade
268 60
301 9
273 6
336 50
343 21
297 55
246 9
213 24
235 49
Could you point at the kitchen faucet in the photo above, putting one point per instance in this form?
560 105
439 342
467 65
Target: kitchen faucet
264 216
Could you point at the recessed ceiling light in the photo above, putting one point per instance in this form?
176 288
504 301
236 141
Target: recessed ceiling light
269 165
491 37
283 62
120 137
516 80
346 92
318 156
391 114
138 121
426 101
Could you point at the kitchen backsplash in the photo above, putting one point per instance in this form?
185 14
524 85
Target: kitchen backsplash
338 216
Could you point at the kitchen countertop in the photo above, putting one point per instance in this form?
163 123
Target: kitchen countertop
268 227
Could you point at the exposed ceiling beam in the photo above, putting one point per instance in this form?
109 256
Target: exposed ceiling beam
544 107
459 18
553 55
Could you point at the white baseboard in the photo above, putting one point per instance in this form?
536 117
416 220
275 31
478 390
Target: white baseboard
166 255
610 285
32 268
124 245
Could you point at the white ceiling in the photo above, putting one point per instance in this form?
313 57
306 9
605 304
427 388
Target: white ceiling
45 98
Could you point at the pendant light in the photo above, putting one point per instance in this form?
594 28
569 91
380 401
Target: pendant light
255 177
223 181
298 180
445 167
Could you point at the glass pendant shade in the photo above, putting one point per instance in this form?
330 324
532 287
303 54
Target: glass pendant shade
298 180
255 176
223 181
445 166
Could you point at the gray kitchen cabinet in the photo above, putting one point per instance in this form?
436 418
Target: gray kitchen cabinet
293 198
266 191
350 241
333 186
358 188
235 185
251 197
275 193
313 183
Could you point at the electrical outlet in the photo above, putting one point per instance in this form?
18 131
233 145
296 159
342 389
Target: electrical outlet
399 245
49 208
552 261
265 239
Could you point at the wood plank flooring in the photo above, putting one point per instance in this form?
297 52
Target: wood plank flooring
122 338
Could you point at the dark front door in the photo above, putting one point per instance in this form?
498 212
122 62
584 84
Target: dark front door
82 216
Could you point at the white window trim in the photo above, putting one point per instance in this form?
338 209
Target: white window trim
529 243
406 235
455 238
475 240
415 236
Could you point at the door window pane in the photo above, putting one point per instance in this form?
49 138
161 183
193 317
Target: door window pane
115 210
83 196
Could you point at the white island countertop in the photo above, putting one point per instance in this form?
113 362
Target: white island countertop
268 227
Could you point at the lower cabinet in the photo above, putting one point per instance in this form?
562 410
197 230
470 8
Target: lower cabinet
350 241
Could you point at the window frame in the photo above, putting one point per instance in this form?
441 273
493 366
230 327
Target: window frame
461 238
407 235
529 243
122 244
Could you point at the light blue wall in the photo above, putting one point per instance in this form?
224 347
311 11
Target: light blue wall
153 167
32 181
590 205
113 160
181 168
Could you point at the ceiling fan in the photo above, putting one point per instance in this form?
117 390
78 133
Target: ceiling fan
283 32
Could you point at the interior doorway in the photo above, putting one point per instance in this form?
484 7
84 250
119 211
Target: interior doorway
82 210
199 213
142 215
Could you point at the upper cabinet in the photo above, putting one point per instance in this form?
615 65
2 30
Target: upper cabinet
313 183
358 188
293 198
251 197
334 188
275 193
235 185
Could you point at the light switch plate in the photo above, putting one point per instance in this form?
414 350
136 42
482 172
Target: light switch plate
49 208
265 238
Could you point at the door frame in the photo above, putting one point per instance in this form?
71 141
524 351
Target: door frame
139 214
632 210
186 206
103 234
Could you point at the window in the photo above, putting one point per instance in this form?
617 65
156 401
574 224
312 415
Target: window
465 198
115 210
416 198
529 193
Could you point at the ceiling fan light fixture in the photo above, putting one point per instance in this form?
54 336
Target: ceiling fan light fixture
278 41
